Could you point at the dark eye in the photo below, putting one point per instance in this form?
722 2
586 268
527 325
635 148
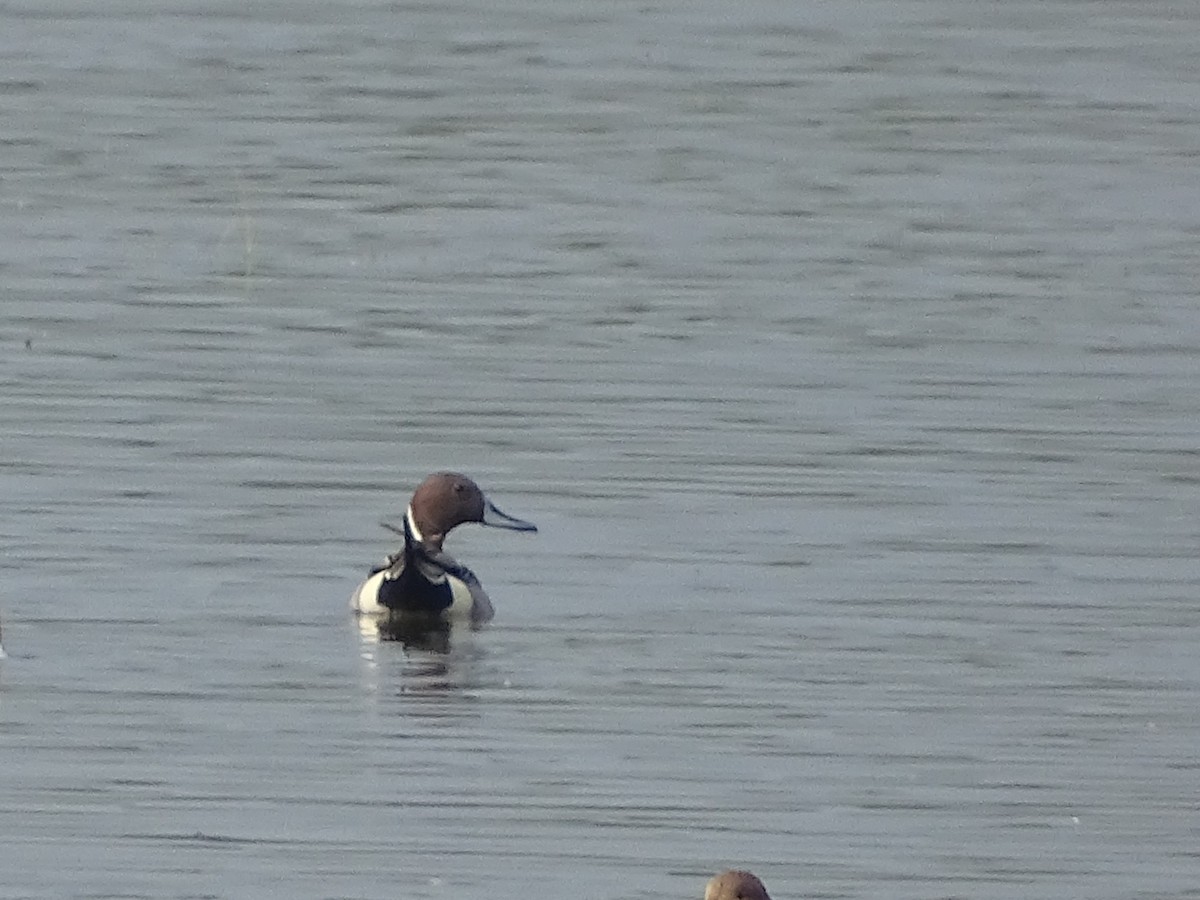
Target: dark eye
459 487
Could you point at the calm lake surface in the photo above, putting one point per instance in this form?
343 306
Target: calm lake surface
847 355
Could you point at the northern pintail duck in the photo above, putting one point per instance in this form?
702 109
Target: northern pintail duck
735 884
419 579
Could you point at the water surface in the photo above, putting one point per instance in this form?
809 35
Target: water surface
846 356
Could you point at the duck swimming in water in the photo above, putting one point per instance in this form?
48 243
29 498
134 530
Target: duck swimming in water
420 580
735 884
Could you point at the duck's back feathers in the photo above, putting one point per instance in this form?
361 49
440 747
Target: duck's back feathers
420 583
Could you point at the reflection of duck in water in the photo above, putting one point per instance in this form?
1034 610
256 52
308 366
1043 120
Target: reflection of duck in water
735 884
420 581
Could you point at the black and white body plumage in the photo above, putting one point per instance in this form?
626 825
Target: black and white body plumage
420 579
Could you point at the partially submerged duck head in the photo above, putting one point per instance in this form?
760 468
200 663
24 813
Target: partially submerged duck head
735 884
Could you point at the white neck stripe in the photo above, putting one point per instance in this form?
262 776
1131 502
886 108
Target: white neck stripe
412 526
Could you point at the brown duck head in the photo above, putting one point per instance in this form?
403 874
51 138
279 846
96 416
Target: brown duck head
446 499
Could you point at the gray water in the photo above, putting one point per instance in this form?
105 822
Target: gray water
848 356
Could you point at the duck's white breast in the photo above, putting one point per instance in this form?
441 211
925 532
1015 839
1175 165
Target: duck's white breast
366 598
462 603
